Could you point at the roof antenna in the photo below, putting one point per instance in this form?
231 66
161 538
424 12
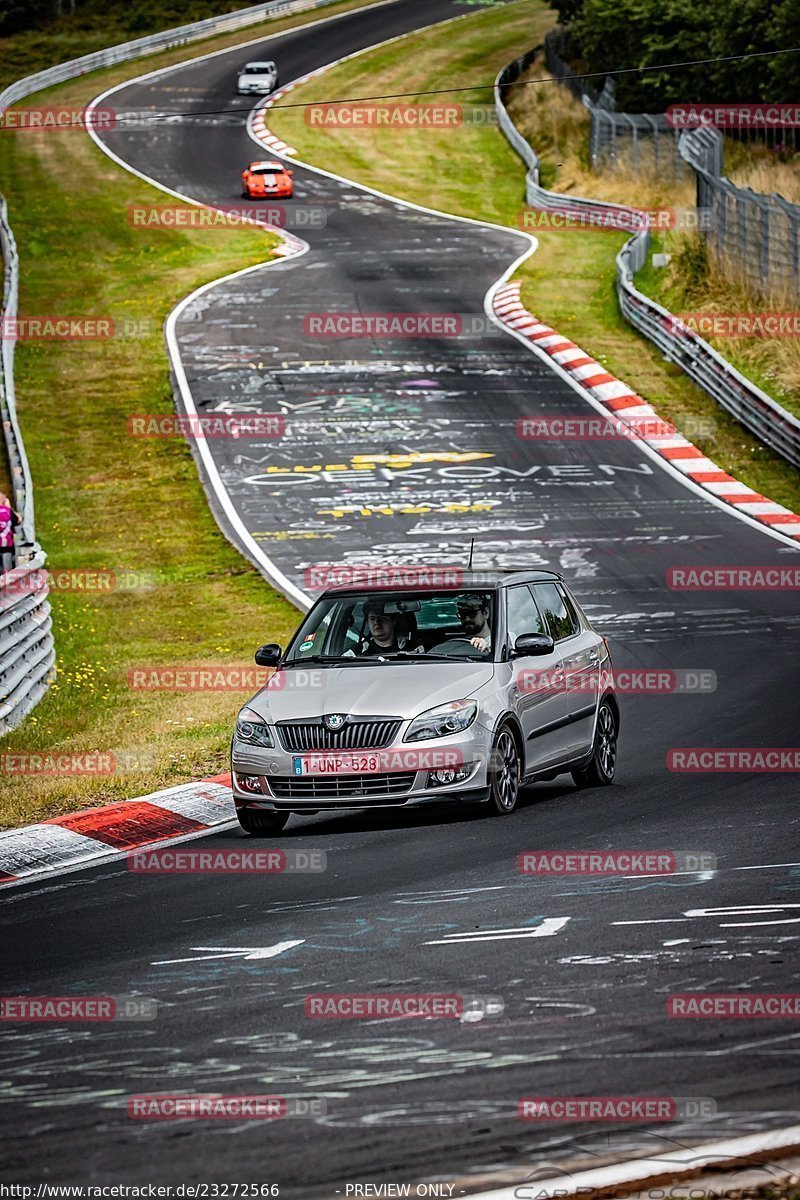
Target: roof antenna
471 548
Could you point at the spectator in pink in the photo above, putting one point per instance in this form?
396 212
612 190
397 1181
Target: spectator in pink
9 520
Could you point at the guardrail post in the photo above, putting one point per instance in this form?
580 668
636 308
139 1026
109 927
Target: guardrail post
765 267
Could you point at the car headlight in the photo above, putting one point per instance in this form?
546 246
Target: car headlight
253 731
441 721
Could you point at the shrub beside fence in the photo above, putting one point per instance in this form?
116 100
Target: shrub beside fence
639 140
753 237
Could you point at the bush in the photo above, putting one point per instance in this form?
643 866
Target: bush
611 35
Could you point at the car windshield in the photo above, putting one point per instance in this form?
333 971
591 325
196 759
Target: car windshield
405 627
273 170
259 69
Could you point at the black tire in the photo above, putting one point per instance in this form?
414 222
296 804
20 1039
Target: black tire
504 774
260 823
602 767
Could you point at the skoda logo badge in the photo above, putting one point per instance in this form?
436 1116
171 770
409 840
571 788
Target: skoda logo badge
334 721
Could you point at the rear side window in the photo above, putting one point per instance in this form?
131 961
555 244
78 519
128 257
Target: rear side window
523 615
571 609
562 620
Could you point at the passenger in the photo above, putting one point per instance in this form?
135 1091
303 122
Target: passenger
384 637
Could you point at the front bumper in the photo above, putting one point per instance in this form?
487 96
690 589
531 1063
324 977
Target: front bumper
283 195
265 779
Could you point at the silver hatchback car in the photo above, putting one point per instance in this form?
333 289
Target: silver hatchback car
388 697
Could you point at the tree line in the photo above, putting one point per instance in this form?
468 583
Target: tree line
608 35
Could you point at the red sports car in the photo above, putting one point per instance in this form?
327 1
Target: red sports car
262 179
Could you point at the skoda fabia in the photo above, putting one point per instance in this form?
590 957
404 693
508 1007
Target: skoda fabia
399 697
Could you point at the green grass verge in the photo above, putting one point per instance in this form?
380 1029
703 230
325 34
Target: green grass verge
471 171
107 501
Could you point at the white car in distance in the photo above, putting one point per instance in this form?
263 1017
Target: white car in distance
257 78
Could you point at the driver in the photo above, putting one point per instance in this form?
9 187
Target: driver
473 613
383 636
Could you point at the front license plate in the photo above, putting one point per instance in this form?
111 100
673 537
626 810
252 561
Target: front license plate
334 764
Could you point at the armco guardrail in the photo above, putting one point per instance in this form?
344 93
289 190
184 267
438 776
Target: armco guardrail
738 395
27 653
535 195
21 485
755 237
179 36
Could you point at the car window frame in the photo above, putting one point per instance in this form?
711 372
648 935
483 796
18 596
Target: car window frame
508 649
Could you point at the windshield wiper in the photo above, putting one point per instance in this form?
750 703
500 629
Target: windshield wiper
317 658
410 656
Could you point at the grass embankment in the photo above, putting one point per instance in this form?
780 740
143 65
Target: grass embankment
472 171
558 128
110 502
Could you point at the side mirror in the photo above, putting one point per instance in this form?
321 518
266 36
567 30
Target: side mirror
288 172
269 655
533 645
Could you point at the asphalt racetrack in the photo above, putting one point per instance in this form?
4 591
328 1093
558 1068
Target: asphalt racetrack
429 901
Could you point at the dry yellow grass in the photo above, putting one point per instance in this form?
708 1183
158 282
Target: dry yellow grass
557 126
758 167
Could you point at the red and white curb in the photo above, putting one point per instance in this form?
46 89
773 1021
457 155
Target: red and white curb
690 1163
77 839
258 123
629 408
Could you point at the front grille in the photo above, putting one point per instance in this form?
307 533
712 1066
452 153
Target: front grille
340 787
364 733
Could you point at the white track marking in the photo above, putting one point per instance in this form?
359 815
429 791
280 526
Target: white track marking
246 953
655 921
269 568
766 866
548 928
666 465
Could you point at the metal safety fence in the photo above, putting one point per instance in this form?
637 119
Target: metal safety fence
638 141
738 395
535 195
754 238
27 652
